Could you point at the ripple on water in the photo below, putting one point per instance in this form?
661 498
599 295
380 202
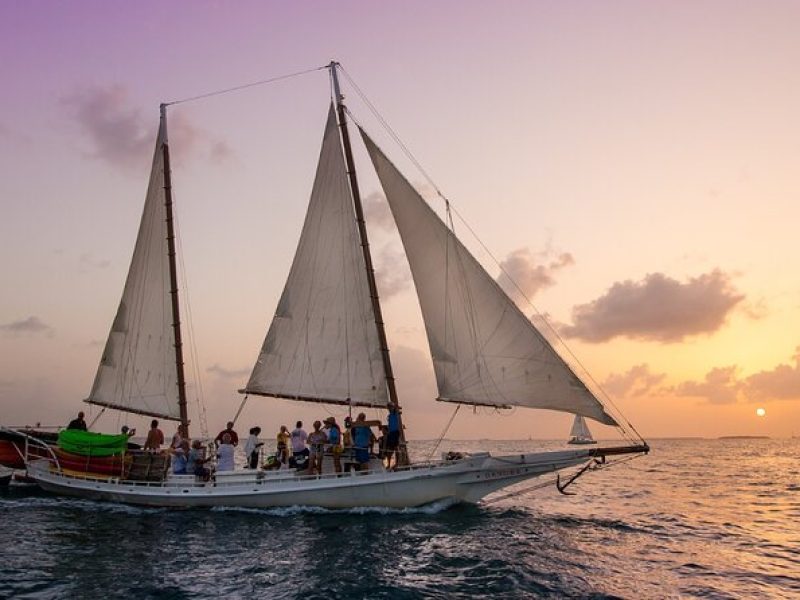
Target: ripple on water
686 521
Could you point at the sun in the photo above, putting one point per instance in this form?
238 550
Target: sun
761 412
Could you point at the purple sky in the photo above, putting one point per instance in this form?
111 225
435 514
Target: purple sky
654 144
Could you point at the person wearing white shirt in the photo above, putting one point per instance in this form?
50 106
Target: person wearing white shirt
299 437
225 454
251 448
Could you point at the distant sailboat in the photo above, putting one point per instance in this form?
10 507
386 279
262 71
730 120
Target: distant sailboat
326 344
580 434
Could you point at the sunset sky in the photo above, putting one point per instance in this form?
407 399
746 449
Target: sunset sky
632 165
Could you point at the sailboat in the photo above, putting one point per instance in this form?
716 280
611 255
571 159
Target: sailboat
327 344
580 434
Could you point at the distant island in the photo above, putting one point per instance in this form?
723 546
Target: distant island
743 437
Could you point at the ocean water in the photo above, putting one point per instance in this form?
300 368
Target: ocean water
694 519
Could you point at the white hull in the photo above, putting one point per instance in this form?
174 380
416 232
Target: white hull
466 480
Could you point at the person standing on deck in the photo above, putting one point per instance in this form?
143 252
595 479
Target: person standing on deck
362 438
282 448
317 441
229 430
334 446
225 454
392 438
77 422
299 437
155 437
251 448
347 444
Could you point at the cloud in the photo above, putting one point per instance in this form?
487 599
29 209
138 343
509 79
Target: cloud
87 261
658 308
392 273
115 130
119 134
720 386
31 325
220 371
192 140
780 383
635 382
530 272
377 211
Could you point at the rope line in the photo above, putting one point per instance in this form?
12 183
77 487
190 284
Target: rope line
244 86
444 432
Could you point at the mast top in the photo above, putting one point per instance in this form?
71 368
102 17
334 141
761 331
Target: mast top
337 92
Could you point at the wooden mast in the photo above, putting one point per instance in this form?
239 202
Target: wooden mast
173 279
362 231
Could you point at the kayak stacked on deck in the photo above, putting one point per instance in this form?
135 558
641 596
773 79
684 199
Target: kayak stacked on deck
90 452
89 443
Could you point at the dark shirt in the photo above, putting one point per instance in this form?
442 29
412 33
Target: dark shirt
232 433
361 436
393 421
77 423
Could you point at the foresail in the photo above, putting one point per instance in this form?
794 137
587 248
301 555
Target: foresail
137 371
323 344
485 351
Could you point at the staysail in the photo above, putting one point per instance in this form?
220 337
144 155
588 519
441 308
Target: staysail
138 372
485 351
322 345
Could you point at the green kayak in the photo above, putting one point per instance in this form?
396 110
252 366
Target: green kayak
89 443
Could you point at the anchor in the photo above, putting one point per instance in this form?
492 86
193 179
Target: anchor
562 487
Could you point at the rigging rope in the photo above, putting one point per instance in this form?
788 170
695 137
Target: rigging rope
245 86
444 432
193 353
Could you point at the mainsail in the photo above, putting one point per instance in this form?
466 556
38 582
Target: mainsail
485 351
323 344
138 372
580 429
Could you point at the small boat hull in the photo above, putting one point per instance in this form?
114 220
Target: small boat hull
579 442
12 446
5 476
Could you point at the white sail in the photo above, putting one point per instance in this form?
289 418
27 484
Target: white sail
485 351
580 429
137 371
323 343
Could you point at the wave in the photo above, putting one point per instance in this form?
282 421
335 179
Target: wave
288 511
